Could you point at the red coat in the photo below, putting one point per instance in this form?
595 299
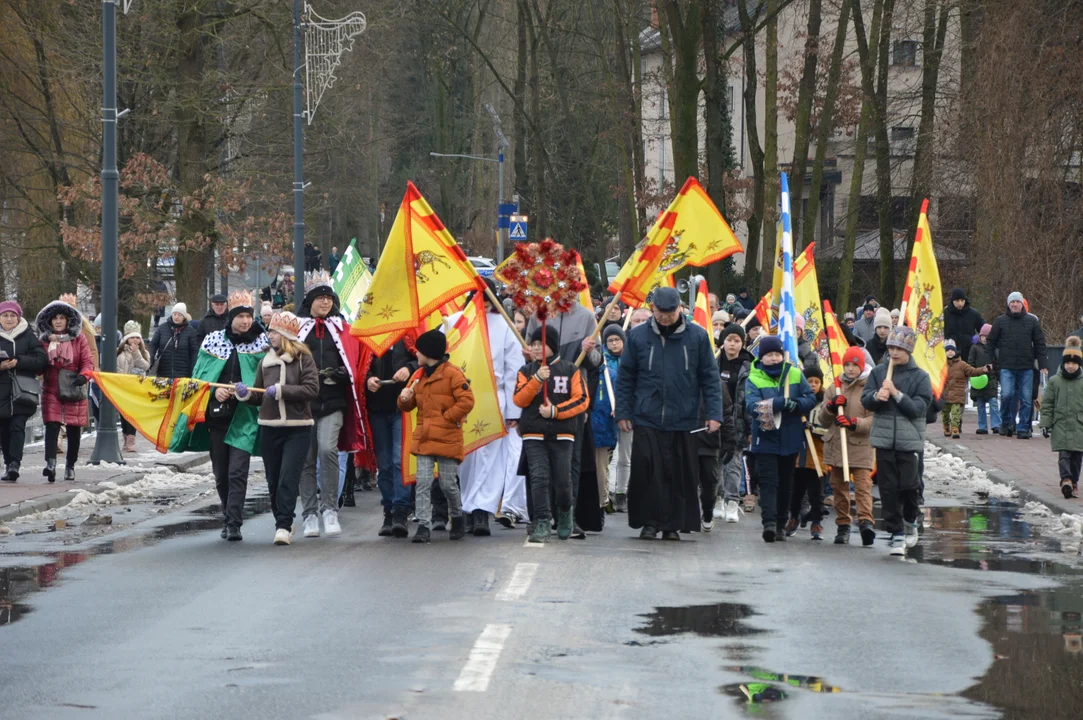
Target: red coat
52 409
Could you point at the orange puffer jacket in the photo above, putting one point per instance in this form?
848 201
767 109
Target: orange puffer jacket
443 399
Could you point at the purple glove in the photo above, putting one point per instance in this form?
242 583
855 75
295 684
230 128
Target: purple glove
271 392
241 390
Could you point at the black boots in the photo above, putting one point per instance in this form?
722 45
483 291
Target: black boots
233 533
422 534
398 523
842 535
12 473
50 469
458 528
385 529
481 523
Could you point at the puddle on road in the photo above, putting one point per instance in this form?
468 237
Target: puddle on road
718 620
20 580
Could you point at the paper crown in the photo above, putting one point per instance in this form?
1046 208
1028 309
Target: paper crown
285 324
240 299
70 299
317 278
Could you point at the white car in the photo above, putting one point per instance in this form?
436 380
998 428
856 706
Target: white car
485 266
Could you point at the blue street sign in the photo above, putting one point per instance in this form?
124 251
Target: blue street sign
503 222
518 231
507 209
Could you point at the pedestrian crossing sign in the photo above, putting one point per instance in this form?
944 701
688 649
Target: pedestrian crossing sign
518 228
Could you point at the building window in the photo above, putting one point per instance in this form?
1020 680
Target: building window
906 53
900 134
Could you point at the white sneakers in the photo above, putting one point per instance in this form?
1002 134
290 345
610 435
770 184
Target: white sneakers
330 524
911 534
732 514
282 536
719 509
311 526
897 544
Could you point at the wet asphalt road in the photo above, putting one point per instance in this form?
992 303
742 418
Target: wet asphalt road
190 626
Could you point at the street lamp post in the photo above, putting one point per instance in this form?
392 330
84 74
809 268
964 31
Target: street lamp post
499 160
106 442
298 165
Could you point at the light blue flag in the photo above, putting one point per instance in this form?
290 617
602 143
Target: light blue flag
787 314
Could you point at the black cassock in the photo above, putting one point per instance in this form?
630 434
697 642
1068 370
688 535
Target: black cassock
663 489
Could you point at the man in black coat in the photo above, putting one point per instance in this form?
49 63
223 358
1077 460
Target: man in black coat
961 322
1018 341
213 321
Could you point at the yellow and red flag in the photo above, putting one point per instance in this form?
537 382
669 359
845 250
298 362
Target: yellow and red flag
806 300
690 232
924 303
154 405
584 294
701 314
421 268
762 311
468 349
836 341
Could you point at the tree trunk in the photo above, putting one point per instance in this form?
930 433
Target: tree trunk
921 179
683 57
718 121
522 177
770 151
755 151
806 91
191 265
628 122
541 199
846 266
826 127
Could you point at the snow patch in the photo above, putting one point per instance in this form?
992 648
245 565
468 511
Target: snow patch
948 476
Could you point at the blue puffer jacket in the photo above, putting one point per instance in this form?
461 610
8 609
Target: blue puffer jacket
663 380
603 424
789 439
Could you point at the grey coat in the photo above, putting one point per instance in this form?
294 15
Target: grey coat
899 424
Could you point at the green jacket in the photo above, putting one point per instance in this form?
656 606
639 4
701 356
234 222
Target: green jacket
1062 411
243 431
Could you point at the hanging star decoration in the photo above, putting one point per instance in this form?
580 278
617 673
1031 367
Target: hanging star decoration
543 279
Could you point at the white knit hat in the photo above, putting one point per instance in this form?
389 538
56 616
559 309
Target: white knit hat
182 309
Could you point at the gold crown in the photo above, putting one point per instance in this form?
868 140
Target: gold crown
285 324
317 278
70 299
240 298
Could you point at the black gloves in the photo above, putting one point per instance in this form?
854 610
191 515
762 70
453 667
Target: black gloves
727 457
79 381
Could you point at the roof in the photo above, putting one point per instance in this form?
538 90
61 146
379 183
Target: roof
867 249
650 40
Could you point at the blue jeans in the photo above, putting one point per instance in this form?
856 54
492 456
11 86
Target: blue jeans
387 437
1017 394
993 412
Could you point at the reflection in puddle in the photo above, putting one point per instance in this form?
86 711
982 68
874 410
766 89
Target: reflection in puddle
755 693
718 620
20 580
812 683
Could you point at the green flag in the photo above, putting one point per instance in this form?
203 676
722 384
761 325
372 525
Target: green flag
351 281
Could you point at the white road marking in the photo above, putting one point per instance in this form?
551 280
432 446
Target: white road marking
520 581
481 663
527 543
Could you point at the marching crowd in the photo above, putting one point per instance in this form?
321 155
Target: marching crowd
650 421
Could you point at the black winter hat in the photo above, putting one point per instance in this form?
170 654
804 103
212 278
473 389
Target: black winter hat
868 307
432 344
552 338
613 330
731 329
814 372
219 298
958 294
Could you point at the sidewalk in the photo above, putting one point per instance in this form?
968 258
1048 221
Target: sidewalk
33 493
1028 464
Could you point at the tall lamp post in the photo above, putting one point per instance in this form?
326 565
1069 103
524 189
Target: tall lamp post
324 42
106 442
499 160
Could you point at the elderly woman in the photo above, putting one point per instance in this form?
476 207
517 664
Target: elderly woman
174 346
21 359
63 392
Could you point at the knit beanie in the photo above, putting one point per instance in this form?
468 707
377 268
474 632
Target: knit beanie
721 316
731 329
814 372
869 307
882 318
958 294
1072 350
552 338
902 337
432 344
1015 297
949 344
12 307
609 332
770 344
985 330
856 356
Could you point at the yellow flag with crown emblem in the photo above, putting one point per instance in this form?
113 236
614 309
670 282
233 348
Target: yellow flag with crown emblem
468 350
924 304
806 301
421 268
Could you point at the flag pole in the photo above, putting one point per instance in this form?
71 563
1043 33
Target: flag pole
500 309
598 326
838 411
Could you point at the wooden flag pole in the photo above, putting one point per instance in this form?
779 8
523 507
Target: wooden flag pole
500 309
227 386
598 327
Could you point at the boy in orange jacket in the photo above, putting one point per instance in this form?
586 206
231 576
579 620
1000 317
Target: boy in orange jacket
548 426
442 396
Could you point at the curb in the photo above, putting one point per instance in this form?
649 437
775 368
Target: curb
999 476
59 500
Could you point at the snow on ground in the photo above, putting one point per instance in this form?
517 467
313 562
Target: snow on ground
948 476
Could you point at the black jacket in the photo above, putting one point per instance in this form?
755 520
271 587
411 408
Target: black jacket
384 400
333 396
734 373
877 348
1017 340
979 356
174 348
723 442
23 345
210 323
961 326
